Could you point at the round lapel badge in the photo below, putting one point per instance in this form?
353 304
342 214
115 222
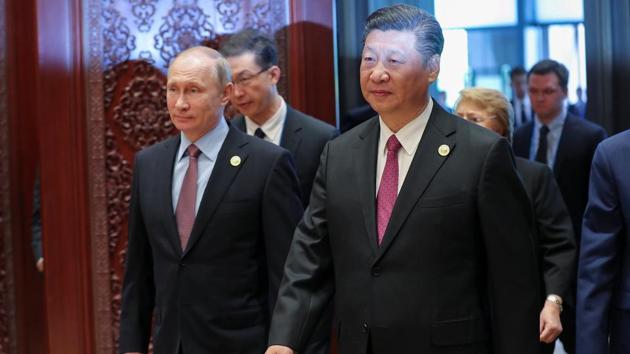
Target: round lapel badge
235 161
444 150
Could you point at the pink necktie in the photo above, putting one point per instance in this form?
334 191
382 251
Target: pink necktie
388 189
185 210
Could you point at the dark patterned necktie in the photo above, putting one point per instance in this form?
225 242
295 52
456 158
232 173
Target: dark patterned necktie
388 188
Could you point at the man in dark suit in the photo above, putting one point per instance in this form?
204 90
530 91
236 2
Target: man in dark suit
520 102
254 62
603 292
418 224
566 144
211 219
554 231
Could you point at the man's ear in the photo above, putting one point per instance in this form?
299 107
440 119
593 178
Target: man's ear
227 92
433 67
275 73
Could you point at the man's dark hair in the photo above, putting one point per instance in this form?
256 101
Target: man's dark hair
547 66
406 18
256 42
516 71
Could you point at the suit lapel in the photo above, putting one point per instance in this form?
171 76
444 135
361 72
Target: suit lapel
425 164
291 133
564 144
365 169
239 123
522 146
220 180
164 172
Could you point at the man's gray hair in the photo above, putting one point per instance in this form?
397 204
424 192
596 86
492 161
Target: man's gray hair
407 18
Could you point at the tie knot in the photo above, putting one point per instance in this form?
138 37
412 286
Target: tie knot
193 151
259 133
393 144
544 130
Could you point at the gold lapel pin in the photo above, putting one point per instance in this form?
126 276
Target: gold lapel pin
235 161
444 150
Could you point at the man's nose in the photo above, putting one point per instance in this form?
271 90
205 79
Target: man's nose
182 103
379 73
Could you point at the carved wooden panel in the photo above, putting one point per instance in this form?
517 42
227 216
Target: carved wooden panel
136 118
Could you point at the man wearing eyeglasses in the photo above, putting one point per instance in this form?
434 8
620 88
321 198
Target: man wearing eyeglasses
566 143
254 62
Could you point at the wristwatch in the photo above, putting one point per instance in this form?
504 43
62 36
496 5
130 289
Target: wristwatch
556 300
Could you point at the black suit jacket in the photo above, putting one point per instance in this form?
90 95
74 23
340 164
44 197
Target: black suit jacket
573 161
456 271
555 238
216 295
305 137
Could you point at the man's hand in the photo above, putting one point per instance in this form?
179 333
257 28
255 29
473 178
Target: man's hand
279 349
550 325
40 265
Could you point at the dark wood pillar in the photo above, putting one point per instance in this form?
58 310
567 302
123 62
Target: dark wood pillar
27 311
310 59
61 118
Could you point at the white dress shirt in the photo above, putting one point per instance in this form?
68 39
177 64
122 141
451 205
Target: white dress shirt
272 127
409 137
518 107
209 144
553 137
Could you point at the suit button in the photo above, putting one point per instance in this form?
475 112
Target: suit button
182 264
365 327
376 271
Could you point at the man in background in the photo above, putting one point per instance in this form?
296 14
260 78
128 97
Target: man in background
566 144
520 101
254 61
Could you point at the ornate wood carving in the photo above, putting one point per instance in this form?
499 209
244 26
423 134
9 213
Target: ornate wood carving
136 118
185 26
97 35
141 115
143 11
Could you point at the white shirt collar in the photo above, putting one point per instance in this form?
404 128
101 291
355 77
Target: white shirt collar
273 126
409 135
209 144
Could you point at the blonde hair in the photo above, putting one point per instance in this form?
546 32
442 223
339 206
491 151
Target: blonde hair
494 103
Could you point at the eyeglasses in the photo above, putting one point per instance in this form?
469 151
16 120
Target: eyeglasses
246 80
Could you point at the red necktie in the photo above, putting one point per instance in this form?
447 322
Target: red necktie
185 210
388 188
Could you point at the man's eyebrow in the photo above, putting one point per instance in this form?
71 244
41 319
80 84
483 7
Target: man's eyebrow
386 50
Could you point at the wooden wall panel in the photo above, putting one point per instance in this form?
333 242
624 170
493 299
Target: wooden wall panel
64 177
311 65
28 333
7 294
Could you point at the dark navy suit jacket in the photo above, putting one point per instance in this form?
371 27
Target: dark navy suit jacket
603 303
573 160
